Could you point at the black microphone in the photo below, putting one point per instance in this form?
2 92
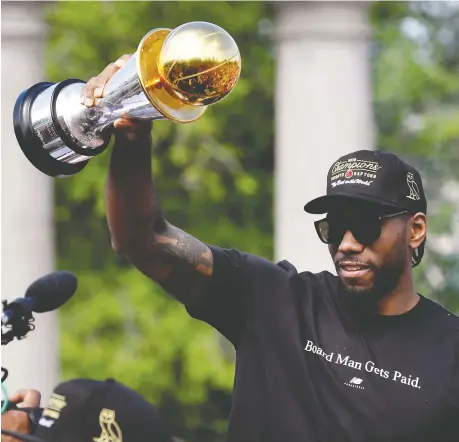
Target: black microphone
44 295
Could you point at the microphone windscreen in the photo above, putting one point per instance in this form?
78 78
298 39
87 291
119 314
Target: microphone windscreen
52 290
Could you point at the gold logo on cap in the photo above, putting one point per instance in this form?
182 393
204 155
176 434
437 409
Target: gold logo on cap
55 405
111 431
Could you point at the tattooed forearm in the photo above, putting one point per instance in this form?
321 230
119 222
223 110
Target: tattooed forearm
179 263
175 246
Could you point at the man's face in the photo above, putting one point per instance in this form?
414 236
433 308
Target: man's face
370 269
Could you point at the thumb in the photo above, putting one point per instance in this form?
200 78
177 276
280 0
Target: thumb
26 397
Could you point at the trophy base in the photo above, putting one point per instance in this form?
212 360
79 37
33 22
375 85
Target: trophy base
31 145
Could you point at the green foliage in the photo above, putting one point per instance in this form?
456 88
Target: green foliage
416 88
215 179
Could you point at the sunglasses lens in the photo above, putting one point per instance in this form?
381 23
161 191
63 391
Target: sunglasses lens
365 231
330 232
323 229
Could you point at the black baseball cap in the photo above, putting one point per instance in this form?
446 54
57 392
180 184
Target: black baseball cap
377 177
86 410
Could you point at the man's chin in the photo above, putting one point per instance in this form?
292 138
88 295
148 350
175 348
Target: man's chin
360 298
358 287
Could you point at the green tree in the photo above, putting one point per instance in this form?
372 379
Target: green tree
416 78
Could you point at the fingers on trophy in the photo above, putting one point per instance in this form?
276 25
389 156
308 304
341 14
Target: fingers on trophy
174 74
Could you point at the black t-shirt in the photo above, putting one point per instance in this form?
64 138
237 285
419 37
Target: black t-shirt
306 373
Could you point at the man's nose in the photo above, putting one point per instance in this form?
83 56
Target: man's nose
349 244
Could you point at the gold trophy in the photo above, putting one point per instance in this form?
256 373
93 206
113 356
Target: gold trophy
174 74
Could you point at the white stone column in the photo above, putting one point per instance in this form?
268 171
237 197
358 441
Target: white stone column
26 204
323 110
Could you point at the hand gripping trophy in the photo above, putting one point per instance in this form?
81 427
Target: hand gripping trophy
174 74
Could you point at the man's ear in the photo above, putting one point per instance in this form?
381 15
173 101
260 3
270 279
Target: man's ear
418 229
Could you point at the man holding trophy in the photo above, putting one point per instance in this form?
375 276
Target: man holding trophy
356 357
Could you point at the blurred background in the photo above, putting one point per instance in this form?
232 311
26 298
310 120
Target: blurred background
319 79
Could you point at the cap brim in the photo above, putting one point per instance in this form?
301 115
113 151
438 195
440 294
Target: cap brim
325 203
22 436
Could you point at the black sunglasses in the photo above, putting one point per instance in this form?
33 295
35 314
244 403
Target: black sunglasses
365 229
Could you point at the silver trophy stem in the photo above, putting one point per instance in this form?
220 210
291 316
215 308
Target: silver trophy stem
59 135
123 97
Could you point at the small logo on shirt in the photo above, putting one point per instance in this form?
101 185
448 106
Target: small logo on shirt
355 383
48 423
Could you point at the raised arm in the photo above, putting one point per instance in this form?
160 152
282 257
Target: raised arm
177 261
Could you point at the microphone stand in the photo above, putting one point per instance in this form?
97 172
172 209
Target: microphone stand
61 286
19 327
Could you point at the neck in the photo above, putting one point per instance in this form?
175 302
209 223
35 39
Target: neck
400 300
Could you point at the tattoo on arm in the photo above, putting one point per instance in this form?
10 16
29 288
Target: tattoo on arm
179 263
175 246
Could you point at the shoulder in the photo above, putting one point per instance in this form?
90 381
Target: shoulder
440 315
227 261
321 282
233 260
441 323
324 279
322 286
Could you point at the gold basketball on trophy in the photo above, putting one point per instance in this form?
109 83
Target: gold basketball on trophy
196 64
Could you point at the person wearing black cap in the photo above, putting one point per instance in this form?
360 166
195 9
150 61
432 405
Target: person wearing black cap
86 410
354 357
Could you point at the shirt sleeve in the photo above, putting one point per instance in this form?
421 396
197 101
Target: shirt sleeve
228 297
